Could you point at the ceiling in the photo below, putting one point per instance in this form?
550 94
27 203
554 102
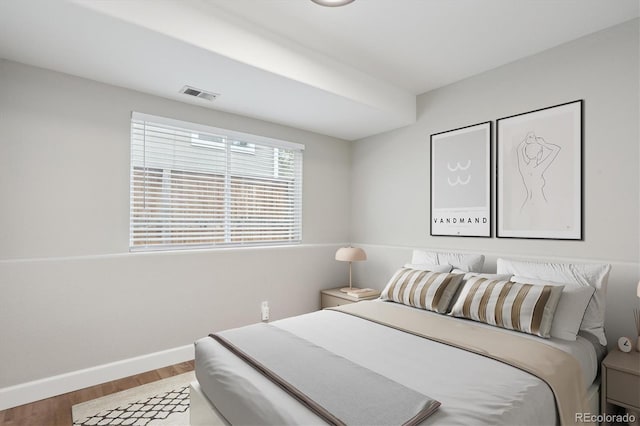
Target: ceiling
347 72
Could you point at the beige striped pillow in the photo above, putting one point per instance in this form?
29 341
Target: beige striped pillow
523 307
423 289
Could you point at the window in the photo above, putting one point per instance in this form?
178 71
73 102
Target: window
204 140
193 185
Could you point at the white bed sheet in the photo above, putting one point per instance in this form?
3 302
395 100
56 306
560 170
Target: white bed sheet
472 389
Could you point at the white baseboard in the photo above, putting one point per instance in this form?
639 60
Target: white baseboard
36 390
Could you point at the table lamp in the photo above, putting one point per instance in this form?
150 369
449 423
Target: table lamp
350 254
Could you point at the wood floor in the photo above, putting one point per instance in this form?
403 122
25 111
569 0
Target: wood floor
57 410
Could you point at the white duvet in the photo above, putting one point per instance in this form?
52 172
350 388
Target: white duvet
473 389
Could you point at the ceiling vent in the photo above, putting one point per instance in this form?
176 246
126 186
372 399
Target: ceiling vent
198 93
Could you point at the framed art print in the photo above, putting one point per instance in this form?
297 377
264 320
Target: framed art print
539 173
461 182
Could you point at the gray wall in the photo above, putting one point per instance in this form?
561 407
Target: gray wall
71 296
391 179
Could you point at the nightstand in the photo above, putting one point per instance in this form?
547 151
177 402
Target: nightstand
334 297
620 381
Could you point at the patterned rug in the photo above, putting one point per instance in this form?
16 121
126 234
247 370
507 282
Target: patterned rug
165 402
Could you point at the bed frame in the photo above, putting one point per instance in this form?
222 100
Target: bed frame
204 413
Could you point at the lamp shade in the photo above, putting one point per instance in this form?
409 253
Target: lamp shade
332 3
350 254
638 281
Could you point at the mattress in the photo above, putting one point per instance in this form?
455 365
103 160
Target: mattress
472 389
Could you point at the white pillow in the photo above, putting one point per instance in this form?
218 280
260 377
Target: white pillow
571 307
594 275
427 267
465 262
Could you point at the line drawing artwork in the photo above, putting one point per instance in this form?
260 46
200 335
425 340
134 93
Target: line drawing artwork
459 181
539 173
457 167
535 155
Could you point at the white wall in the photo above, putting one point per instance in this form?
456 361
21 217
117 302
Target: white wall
391 179
71 296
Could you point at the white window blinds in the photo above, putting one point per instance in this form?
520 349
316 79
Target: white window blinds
193 185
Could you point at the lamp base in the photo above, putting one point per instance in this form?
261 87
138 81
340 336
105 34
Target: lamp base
348 289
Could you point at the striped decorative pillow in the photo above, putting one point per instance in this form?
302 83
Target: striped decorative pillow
423 289
515 306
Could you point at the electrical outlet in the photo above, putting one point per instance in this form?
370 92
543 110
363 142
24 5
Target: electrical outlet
264 309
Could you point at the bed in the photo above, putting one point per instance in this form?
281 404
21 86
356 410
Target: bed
472 388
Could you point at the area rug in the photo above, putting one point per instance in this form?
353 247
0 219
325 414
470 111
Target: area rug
165 402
